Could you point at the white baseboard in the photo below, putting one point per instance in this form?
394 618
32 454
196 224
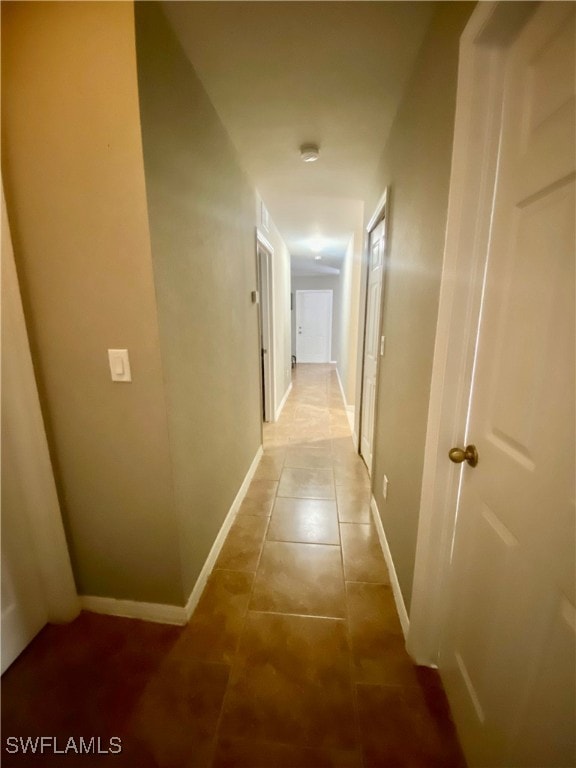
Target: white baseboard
341 388
349 408
174 614
350 416
132 609
398 599
217 546
283 403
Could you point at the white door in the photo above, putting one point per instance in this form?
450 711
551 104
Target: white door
23 607
37 581
372 340
24 610
266 337
508 655
313 326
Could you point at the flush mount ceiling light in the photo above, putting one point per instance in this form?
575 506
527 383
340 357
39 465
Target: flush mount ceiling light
309 153
317 258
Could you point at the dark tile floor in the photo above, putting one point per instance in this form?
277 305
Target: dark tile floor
294 657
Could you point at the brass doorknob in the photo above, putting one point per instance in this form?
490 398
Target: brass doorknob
469 454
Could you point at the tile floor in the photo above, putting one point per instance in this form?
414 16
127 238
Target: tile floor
294 657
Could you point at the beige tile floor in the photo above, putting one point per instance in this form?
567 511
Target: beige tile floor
320 661
294 657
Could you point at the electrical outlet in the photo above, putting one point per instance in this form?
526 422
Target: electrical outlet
385 488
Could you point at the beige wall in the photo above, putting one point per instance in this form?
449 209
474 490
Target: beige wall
74 182
344 318
416 166
202 224
282 322
349 315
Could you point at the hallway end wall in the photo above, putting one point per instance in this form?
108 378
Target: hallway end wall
416 167
320 283
76 200
202 227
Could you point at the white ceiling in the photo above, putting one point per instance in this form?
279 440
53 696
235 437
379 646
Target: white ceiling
284 73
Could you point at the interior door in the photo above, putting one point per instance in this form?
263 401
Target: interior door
313 326
264 284
508 655
24 610
372 340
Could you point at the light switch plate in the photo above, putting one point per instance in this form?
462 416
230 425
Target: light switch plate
119 365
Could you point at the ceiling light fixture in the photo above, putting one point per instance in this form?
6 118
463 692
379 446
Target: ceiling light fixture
317 258
309 153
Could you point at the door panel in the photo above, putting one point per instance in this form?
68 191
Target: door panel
372 340
313 326
37 580
546 741
23 609
509 644
264 267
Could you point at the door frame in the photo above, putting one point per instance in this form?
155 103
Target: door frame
265 252
381 213
490 29
331 294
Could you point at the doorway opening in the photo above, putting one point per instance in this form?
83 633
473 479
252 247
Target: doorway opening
264 264
373 340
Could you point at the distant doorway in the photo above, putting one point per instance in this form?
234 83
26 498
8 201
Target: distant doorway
313 326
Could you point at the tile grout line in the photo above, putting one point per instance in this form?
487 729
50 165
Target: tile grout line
323 617
351 663
234 661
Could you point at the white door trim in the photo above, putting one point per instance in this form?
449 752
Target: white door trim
380 213
268 324
330 293
474 160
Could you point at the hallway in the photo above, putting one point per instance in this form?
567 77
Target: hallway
174 187
294 656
